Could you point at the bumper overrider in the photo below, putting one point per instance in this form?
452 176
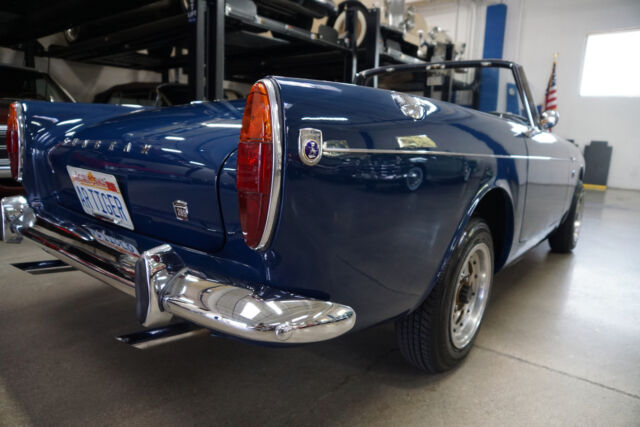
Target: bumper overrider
165 287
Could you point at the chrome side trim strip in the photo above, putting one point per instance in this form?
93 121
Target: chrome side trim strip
434 153
276 169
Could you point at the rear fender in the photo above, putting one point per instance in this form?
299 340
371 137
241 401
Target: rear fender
351 228
505 245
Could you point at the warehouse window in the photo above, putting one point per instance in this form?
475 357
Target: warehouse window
611 64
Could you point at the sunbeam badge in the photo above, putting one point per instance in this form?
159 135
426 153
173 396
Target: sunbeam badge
310 146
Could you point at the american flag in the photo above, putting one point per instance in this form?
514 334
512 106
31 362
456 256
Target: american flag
551 97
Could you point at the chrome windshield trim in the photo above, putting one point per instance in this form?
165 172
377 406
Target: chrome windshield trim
276 169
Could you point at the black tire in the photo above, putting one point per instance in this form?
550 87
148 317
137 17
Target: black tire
426 337
414 179
565 238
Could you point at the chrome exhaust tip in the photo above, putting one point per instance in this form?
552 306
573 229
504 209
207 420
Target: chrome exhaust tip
143 340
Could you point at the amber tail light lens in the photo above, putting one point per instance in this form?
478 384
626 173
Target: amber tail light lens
257 156
15 140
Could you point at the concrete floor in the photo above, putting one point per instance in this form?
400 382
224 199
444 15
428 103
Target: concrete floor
560 345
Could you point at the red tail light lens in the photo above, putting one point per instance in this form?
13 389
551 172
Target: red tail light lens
15 140
255 174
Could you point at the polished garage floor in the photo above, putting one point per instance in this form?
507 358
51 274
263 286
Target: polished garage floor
560 346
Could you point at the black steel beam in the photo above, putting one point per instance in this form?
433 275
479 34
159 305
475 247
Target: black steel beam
215 50
157 33
199 54
38 18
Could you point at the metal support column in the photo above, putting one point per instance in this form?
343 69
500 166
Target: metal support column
200 46
215 50
351 59
29 54
372 42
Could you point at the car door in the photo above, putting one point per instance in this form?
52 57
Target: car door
547 184
548 175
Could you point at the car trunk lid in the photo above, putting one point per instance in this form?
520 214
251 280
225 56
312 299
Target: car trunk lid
165 164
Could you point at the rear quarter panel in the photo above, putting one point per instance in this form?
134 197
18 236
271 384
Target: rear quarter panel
379 247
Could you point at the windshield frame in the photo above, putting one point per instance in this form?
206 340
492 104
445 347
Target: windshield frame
363 77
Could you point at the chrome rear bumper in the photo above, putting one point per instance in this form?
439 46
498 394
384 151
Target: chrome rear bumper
165 287
5 171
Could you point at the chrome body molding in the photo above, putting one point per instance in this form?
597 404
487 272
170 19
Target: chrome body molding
165 287
433 153
276 169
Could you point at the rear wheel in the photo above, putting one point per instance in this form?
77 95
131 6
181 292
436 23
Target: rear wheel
414 179
565 238
440 333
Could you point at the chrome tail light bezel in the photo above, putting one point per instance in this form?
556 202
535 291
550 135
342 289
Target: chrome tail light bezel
260 238
276 168
20 130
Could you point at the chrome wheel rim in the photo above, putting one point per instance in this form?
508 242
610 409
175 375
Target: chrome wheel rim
415 177
577 220
471 295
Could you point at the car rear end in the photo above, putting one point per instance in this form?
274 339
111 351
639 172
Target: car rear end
149 202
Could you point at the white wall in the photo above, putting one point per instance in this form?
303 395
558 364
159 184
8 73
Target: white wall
562 26
536 29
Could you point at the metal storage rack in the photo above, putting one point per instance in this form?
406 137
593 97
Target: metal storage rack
226 40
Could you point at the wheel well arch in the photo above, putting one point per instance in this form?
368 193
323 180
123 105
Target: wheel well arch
496 209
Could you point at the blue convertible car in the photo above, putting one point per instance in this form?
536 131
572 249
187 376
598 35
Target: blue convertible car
309 210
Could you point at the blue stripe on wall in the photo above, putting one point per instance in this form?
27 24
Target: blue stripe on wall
493 45
513 106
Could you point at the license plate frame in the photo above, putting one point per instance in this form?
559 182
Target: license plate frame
100 196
